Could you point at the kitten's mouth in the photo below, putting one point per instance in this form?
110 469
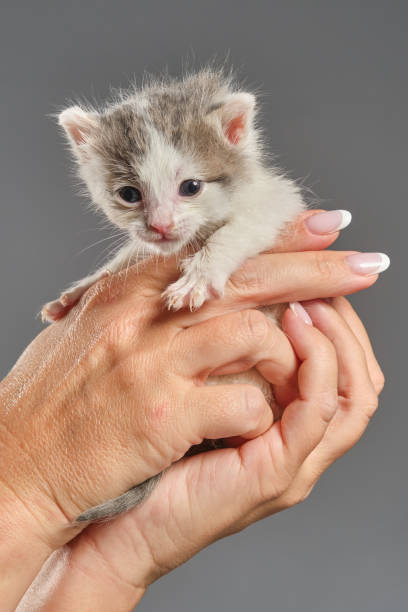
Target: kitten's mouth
160 242
163 243
162 239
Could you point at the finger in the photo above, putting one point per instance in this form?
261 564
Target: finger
224 411
278 453
344 429
354 379
288 277
313 230
350 354
353 416
345 309
305 421
233 343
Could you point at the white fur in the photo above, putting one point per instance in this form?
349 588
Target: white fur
252 228
235 224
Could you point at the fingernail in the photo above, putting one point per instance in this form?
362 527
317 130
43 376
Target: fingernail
328 222
300 312
368 263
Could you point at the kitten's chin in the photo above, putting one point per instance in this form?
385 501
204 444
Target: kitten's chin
164 246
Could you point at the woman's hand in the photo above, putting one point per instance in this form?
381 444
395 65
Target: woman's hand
267 279
206 497
108 396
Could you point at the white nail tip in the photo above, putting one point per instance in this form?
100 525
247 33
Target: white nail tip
384 263
300 312
345 219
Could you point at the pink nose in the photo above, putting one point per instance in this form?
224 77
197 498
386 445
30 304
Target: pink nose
161 228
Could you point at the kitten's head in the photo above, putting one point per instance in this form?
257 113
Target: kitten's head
165 161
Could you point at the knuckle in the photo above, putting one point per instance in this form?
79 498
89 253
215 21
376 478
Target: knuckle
328 403
371 404
254 325
301 497
119 334
101 356
125 376
296 497
379 382
245 280
281 487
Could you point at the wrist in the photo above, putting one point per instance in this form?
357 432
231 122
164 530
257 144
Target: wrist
22 550
28 495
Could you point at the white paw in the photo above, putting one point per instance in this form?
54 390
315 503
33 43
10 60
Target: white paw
194 287
52 311
59 308
185 292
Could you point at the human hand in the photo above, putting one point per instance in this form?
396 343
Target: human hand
212 495
108 358
110 538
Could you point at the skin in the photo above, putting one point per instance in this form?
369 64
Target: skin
63 393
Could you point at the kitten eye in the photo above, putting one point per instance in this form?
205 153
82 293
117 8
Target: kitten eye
130 194
189 187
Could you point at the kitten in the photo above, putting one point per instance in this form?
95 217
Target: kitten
180 162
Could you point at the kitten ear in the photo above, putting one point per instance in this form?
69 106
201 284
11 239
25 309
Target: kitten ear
236 114
78 124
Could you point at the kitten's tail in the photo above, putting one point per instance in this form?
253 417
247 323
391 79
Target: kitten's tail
134 497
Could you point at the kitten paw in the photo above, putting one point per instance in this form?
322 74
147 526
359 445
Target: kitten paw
193 288
182 293
53 311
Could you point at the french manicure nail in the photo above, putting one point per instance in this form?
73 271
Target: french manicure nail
368 263
328 222
300 312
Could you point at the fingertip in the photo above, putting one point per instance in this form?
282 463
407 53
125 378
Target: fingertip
300 238
314 240
295 315
300 312
328 222
295 327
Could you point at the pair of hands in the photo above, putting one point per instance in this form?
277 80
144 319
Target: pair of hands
113 394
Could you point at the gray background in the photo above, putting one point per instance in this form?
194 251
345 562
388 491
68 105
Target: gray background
335 110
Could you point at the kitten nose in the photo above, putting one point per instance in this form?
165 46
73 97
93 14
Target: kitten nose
161 228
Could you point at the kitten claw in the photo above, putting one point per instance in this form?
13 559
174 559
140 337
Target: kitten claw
174 303
184 293
197 284
52 311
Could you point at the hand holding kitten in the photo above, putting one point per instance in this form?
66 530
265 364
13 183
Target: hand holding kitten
215 507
